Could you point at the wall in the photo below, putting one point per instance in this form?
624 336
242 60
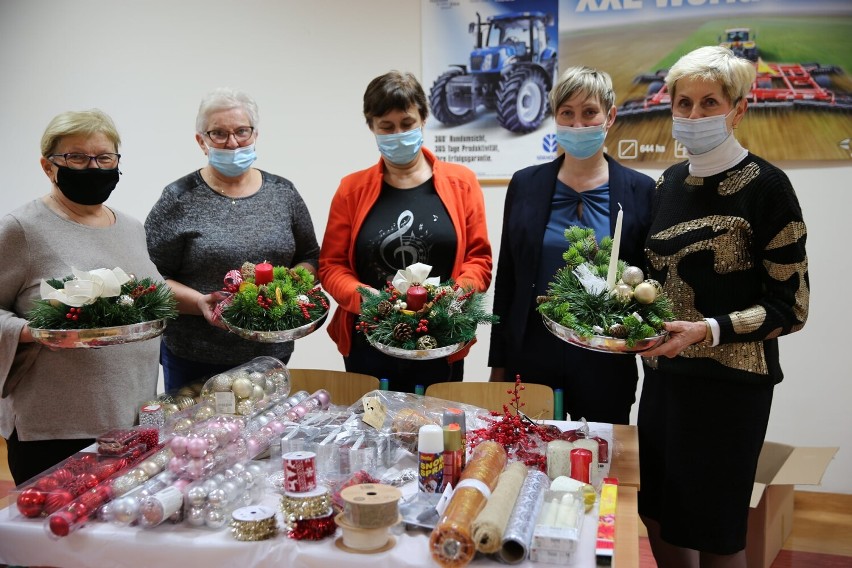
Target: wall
307 63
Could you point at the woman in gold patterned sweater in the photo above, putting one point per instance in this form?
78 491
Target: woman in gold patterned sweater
728 244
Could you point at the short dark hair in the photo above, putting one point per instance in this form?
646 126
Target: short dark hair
394 91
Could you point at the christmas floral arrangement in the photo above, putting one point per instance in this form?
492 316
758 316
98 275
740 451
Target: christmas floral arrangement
596 295
271 298
415 311
101 298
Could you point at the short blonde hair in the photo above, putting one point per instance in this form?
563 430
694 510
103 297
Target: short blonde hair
225 98
714 63
78 122
586 81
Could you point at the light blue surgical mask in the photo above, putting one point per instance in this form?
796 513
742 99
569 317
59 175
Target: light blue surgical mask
700 135
581 142
231 163
400 148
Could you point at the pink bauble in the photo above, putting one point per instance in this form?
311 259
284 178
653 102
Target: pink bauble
180 484
323 397
254 447
177 465
277 426
197 447
195 468
299 410
178 445
233 430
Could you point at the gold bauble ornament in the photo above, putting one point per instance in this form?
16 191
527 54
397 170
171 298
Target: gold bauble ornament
645 293
632 275
624 292
242 387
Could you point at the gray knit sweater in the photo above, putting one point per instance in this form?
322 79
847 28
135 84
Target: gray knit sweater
67 393
195 236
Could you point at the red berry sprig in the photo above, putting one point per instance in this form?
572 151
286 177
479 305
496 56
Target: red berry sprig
74 314
515 432
142 290
422 326
264 302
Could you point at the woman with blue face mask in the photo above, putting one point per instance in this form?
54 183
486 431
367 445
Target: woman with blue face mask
409 207
728 245
584 187
197 232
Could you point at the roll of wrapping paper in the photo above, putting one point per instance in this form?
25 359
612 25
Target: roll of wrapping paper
371 506
489 525
451 542
518 535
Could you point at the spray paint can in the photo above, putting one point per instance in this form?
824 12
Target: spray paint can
430 450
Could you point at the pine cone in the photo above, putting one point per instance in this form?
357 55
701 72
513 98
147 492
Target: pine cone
618 330
402 332
247 270
384 308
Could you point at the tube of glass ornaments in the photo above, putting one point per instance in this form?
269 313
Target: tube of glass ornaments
451 542
518 535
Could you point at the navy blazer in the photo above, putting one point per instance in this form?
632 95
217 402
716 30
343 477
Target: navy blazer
525 216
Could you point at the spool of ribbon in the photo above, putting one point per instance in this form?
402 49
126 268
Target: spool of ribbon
300 471
371 506
253 523
365 541
309 505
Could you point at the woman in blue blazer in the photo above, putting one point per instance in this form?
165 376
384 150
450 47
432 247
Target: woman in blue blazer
582 187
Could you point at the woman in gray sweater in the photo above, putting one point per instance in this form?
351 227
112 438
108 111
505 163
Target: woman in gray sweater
57 401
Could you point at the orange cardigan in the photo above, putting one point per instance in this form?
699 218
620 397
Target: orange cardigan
460 193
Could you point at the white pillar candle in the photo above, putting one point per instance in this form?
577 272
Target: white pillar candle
616 243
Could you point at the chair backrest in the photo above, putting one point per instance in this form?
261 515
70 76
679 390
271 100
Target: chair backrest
345 388
537 399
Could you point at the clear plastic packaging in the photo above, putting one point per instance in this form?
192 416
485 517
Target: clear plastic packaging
240 390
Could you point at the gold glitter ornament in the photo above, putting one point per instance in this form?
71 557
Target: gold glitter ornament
645 293
222 382
242 387
623 291
427 342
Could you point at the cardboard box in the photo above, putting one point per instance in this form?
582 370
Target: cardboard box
779 468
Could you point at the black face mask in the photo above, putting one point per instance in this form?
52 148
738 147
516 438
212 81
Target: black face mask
91 186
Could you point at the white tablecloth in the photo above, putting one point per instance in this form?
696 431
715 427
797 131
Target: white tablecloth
25 542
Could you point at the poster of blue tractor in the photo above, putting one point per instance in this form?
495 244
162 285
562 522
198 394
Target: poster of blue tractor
512 68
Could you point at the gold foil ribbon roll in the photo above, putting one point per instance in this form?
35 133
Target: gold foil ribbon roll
451 542
371 506
308 505
253 523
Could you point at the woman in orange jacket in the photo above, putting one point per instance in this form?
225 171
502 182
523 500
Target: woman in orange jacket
409 207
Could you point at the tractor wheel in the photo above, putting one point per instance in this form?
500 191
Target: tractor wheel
441 108
521 100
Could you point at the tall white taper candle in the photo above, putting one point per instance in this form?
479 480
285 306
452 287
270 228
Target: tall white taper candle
616 243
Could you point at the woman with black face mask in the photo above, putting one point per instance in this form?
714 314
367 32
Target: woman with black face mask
55 402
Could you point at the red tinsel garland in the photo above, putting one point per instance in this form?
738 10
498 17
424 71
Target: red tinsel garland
313 529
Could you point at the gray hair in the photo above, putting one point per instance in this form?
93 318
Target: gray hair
586 81
225 98
78 123
714 63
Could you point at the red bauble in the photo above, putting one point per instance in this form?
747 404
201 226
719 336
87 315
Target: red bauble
31 502
47 483
63 476
60 523
93 498
79 512
106 469
57 499
89 480
416 297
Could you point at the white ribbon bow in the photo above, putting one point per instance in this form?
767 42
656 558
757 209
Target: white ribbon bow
86 287
415 274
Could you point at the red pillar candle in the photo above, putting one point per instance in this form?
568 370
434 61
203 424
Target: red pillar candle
581 462
415 298
262 273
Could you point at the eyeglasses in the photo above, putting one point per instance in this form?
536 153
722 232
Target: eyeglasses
80 161
221 136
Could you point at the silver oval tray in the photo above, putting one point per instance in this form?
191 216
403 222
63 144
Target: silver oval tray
601 343
279 336
99 336
418 354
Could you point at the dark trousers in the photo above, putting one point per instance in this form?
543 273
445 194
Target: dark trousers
28 459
